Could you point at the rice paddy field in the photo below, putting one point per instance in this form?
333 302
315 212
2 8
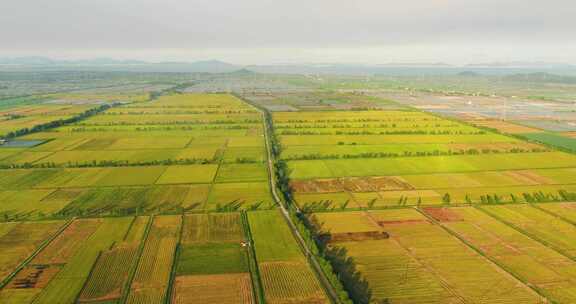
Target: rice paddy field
535 263
383 158
29 115
213 254
310 100
407 258
191 258
179 152
285 274
167 199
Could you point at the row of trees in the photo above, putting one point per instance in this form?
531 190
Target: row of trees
173 122
164 128
356 120
338 269
76 210
446 199
180 111
126 163
349 126
59 123
395 132
312 156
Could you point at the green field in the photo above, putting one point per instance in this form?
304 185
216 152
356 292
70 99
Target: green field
286 276
398 158
552 139
180 152
165 197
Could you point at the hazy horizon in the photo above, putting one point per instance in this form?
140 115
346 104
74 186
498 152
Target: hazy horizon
271 32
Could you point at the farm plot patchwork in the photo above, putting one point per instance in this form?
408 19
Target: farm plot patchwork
192 151
352 159
18 240
28 116
59 272
407 259
550 272
150 283
318 100
212 264
285 273
174 258
548 229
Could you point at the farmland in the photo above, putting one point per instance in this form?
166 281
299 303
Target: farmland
168 194
176 258
407 259
549 271
359 159
382 186
180 152
286 276
213 254
22 117
83 181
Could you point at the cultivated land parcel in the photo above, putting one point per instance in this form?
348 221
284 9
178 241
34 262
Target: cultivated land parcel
405 172
178 154
356 159
182 152
169 200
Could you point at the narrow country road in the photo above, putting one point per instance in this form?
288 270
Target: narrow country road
271 178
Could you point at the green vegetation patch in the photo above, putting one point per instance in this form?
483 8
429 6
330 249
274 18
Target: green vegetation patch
273 239
242 173
189 174
212 258
552 139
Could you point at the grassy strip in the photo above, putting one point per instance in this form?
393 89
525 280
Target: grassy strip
257 289
169 288
35 253
132 272
481 253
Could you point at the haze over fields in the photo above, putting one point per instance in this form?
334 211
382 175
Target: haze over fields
298 31
287 152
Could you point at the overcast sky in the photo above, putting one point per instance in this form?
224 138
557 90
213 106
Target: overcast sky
276 31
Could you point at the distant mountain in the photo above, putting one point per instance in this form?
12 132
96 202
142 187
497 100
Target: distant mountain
27 60
541 77
522 64
212 66
35 60
469 74
103 60
109 64
216 66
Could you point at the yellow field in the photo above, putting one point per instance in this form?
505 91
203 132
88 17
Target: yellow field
219 288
